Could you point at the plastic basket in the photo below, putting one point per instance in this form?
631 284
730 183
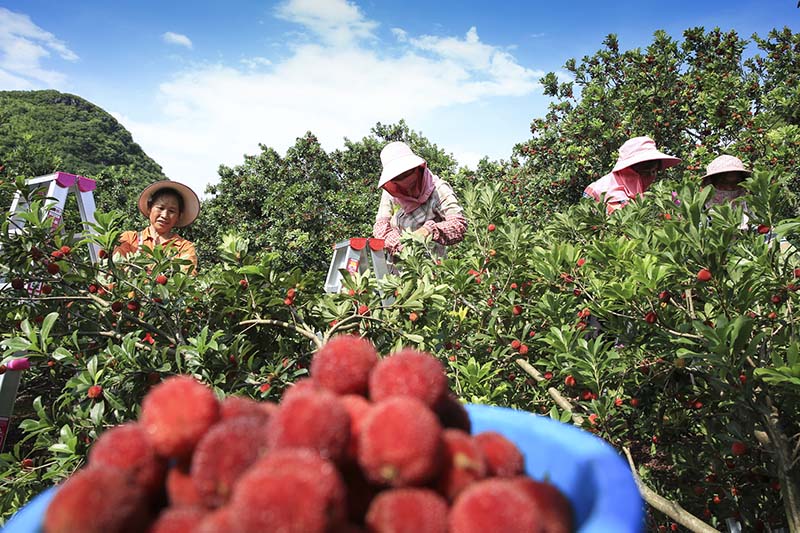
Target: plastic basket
587 469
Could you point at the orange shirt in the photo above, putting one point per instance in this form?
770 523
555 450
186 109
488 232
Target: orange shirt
131 240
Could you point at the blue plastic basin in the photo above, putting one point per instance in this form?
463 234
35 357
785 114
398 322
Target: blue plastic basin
585 468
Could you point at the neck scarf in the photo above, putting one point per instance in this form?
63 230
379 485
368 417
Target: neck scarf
410 203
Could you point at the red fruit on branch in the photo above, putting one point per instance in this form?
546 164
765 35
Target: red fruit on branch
17 284
27 463
517 310
92 288
704 275
523 349
133 306
363 310
738 448
36 253
161 279
243 283
664 296
65 250
776 299
491 227
289 301
569 381
46 289
53 268
650 317
413 317
581 262
515 344
94 392
102 254
763 229
116 307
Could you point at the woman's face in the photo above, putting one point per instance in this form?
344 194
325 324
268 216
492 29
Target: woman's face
727 181
647 168
164 214
408 183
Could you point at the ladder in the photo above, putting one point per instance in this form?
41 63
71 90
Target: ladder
9 383
356 255
59 185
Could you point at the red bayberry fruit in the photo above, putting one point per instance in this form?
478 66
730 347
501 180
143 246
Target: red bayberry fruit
178 520
241 406
664 296
400 443
463 463
313 419
223 454
97 500
57 254
289 301
363 310
763 229
409 373
161 279
550 503
94 392
133 306
523 350
493 505
517 310
27 463
181 490
569 381
515 344
413 317
581 262
634 402
738 448
704 275
503 458
176 413
116 307
53 268
66 250
343 365
127 448
491 227
243 283
408 510
548 375
17 284
650 317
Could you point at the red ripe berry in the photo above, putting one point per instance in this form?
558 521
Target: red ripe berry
178 520
413 317
494 505
523 349
133 306
92 288
513 286
569 381
618 402
515 344
763 229
517 310
491 227
664 296
503 458
57 254
116 307
94 392
363 310
772 315
161 279
127 447
586 395
17 284
27 463
36 253
581 262
65 250
289 301
291 293
797 272
704 275
315 420
697 404
650 317
53 268
176 413
738 448
742 379
776 299
576 292
124 504
548 375
463 463
634 402
413 509
343 365
409 373
102 254
46 289
400 443
243 283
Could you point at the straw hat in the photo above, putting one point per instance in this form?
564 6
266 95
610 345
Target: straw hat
641 149
724 163
191 203
396 158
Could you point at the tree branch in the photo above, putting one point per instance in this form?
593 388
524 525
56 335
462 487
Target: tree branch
272 322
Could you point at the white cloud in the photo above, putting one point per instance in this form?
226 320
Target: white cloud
337 22
255 62
23 47
178 39
214 114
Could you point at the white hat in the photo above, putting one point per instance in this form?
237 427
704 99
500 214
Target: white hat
640 149
396 158
724 163
191 203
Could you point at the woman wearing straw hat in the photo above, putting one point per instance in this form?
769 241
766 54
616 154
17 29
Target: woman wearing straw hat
167 205
637 167
726 174
414 199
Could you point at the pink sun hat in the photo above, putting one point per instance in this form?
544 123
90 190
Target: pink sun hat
641 149
724 163
396 158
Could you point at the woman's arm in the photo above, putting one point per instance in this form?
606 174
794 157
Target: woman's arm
451 230
128 243
383 226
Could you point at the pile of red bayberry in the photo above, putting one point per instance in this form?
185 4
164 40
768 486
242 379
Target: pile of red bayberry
365 444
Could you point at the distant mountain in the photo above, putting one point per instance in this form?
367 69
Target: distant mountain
43 131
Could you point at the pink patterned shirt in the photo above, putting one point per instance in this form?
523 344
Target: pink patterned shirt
441 215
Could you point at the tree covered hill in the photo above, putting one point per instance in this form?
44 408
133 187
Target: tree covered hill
43 131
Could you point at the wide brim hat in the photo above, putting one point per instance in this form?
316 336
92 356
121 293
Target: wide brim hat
396 158
640 149
724 163
191 203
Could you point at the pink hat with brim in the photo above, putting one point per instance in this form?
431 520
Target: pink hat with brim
641 149
724 163
396 158
191 203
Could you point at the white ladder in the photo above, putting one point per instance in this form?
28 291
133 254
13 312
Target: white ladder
9 383
59 185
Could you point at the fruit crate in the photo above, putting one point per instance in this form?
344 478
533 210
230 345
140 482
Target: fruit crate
585 468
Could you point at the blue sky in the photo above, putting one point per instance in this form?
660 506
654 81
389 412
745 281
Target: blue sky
199 84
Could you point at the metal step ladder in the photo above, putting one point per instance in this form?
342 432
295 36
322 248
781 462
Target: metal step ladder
58 186
357 254
9 383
